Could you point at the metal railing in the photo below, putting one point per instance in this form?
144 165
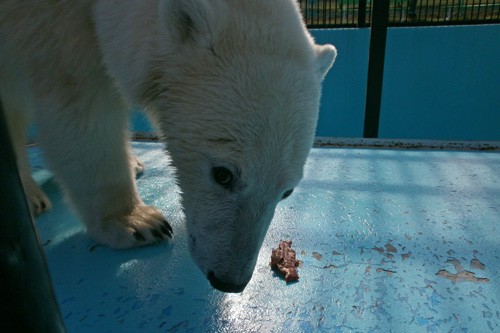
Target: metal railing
357 13
26 292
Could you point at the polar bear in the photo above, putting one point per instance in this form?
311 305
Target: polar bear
233 86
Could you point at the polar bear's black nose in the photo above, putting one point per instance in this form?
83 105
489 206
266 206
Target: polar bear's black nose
224 286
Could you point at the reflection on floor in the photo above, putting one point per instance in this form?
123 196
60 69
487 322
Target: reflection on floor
389 240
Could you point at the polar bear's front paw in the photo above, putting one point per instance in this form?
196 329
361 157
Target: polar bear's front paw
38 201
137 165
144 226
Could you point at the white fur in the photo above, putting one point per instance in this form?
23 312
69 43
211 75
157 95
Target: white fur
231 83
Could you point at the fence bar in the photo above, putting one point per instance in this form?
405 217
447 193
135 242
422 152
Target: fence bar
378 36
357 13
362 13
27 299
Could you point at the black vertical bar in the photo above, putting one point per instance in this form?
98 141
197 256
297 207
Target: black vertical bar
337 13
472 10
330 11
362 13
324 13
393 13
378 36
412 9
309 12
439 11
354 18
452 10
424 17
27 299
317 12
432 10
303 10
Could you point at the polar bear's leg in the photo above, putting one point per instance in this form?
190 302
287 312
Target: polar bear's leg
37 200
17 103
86 144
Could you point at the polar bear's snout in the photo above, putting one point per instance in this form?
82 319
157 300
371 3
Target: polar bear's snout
225 286
225 236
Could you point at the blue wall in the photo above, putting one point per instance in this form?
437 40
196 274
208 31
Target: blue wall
440 83
344 89
140 123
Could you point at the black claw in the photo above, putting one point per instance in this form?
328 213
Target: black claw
139 236
43 205
168 226
156 234
165 231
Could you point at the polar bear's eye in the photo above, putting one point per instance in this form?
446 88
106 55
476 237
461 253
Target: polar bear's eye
287 194
223 176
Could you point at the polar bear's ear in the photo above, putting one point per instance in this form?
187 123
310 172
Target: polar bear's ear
325 56
187 20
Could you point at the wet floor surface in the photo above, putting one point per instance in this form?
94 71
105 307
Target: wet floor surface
388 240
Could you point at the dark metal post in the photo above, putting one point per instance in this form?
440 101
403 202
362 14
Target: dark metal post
362 13
412 9
27 301
378 36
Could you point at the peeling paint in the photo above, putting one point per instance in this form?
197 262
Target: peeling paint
461 275
408 239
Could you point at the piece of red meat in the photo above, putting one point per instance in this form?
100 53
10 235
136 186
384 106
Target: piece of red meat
283 259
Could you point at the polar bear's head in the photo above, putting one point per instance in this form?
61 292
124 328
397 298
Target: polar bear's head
236 87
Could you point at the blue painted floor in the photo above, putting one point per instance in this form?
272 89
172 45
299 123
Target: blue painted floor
390 241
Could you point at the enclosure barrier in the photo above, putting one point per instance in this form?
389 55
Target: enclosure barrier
381 14
358 13
26 294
